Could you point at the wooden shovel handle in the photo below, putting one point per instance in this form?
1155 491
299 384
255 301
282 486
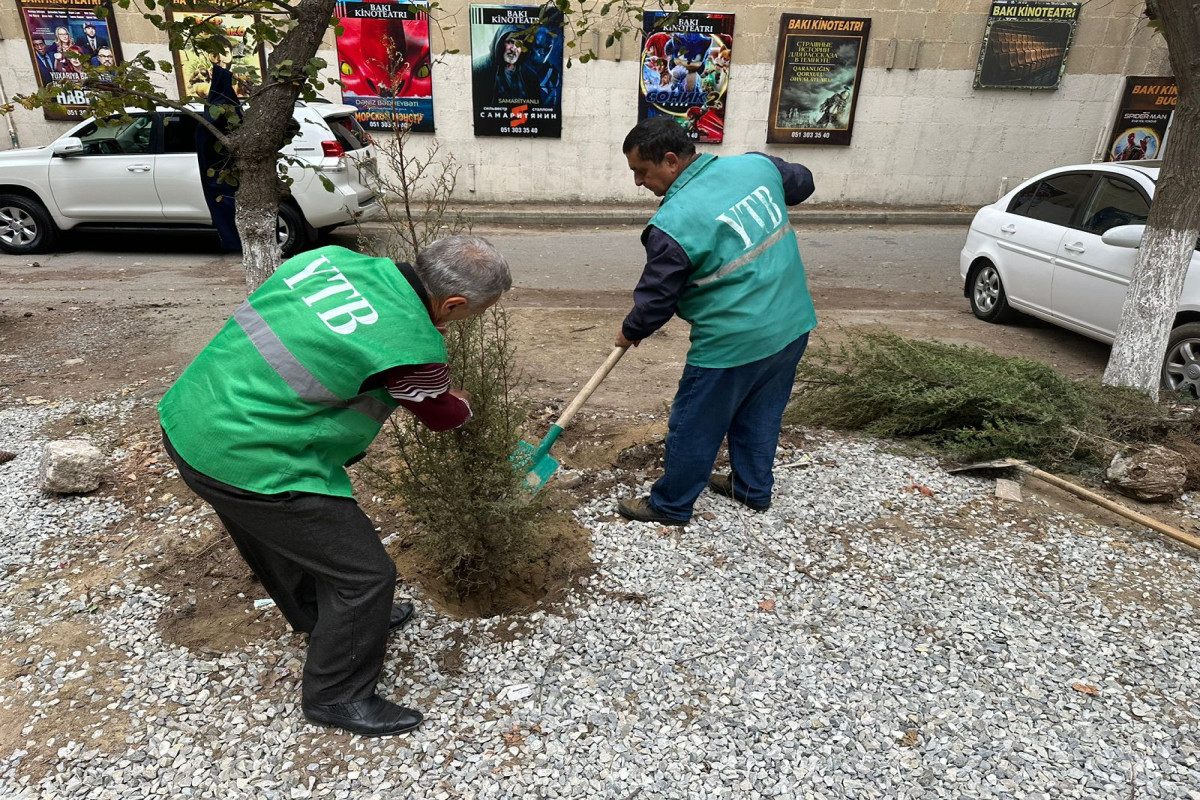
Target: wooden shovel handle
591 385
1116 508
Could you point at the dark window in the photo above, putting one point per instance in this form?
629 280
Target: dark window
1053 199
1115 202
179 133
349 133
113 137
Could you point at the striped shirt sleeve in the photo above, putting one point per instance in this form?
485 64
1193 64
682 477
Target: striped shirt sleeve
424 389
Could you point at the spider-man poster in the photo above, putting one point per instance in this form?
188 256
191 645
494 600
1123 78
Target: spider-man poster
685 71
384 64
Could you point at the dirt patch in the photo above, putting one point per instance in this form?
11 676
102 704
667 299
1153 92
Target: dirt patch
559 554
78 711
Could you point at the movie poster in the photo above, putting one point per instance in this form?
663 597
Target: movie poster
244 58
1140 130
1025 44
384 64
54 28
818 72
685 71
516 71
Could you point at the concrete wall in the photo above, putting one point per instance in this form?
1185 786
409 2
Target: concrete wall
922 135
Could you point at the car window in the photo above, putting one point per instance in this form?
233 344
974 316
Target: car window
179 133
113 137
1114 202
1052 199
348 132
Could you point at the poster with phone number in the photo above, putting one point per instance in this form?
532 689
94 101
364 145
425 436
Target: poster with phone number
516 71
685 71
384 64
62 34
818 72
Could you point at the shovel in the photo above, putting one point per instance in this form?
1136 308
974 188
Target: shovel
1079 491
537 462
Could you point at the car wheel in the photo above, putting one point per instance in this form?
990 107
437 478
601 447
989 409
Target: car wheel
292 230
1181 366
25 226
988 301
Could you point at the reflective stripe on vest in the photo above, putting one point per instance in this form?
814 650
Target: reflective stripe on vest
745 258
295 375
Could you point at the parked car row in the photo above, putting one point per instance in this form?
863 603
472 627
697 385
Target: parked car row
142 173
1061 247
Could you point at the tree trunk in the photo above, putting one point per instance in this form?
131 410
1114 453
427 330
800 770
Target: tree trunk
1174 222
261 135
257 212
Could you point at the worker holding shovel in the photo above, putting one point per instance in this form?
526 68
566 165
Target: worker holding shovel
721 253
293 388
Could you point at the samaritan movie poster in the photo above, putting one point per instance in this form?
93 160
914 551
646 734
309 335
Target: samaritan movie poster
818 72
685 71
1140 130
517 70
1025 45
244 58
62 34
384 64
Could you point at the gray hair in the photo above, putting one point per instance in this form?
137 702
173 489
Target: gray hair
464 266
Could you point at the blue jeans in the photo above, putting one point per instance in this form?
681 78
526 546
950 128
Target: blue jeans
744 403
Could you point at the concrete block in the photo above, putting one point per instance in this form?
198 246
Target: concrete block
1008 490
1080 59
1091 29
1108 61
10 25
70 466
968 28
883 27
957 6
938 27
929 54
911 26
755 21
957 56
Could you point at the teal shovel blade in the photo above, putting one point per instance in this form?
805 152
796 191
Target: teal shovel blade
537 463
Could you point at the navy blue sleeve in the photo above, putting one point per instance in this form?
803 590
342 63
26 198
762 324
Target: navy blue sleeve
797 179
657 293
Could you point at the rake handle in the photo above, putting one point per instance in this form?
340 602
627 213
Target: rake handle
1116 508
590 386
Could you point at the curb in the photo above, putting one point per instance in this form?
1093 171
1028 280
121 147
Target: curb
599 216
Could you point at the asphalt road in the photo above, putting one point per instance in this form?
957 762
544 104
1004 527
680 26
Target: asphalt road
570 283
905 258
920 259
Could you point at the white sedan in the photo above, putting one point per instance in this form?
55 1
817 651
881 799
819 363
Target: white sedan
1061 247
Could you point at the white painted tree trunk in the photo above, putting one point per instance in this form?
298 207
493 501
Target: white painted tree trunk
1171 230
257 210
256 142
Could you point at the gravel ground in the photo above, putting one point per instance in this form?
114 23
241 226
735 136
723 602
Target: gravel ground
886 630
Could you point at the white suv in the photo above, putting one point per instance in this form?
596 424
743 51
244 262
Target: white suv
144 174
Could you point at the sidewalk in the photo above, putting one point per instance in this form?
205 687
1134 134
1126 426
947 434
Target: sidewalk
577 215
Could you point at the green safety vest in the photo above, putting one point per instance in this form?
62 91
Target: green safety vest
747 297
272 404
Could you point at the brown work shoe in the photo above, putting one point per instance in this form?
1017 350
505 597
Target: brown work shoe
640 510
723 484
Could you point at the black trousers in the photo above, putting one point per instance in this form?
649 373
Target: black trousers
320 559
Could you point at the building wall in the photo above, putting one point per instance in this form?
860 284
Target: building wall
922 134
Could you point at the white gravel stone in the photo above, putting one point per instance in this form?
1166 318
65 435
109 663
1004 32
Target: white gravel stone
863 638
